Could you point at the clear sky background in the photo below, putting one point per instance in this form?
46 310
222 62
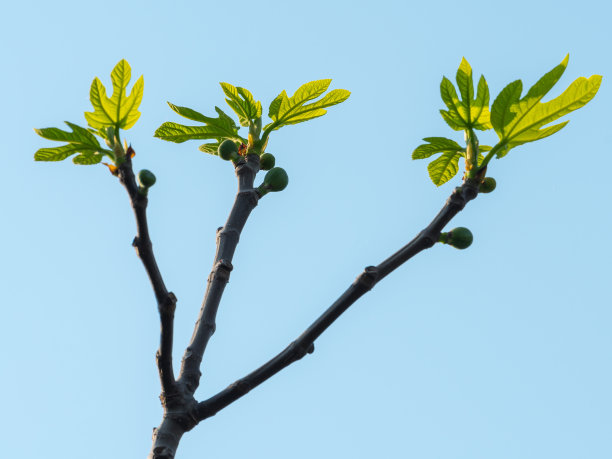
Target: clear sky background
499 351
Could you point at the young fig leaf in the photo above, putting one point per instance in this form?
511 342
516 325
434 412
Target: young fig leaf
119 111
80 140
520 120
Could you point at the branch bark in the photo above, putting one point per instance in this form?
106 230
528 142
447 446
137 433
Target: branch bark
181 411
166 301
227 240
304 344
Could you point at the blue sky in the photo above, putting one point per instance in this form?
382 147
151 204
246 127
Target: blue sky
499 351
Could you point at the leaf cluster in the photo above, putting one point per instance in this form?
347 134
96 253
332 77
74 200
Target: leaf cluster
515 119
283 111
120 111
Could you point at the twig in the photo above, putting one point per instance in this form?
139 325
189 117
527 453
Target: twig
166 301
227 240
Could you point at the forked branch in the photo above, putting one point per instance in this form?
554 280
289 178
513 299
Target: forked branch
365 281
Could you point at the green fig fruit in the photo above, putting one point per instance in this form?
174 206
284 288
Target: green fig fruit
460 238
228 150
276 179
266 161
487 185
146 178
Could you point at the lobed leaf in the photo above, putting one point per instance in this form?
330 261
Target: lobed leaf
434 146
444 168
472 111
80 140
286 110
222 127
212 148
520 120
242 102
118 111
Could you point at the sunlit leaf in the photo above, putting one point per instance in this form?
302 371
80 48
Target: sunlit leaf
219 128
444 168
435 145
286 110
472 111
80 140
212 148
119 111
520 120
242 102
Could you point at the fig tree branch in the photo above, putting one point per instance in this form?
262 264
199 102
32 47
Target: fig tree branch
227 240
304 344
166 301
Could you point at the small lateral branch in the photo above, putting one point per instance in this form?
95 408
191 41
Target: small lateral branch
166 301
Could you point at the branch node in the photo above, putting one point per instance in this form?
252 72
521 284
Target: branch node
470 189
456 198
311 349
251 195
368 278
222 270
228 230
240 387
168 306
428 238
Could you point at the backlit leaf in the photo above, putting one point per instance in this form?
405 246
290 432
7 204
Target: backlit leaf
520 120
444 168
120 110
80 140
219 128
286 110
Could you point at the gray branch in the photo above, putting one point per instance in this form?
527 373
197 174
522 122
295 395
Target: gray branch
227 240
304 344
166 301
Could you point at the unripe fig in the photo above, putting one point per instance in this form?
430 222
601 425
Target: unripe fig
460 238
276 179
146 178
266 161
228 150
487 185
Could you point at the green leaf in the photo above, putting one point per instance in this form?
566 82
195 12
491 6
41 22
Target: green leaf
286 110
212 148
480 114
436 145
520 120
119 111
444 168
275 104
456 116
472 111
464 81
80 140
242 102
501 115
220 128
